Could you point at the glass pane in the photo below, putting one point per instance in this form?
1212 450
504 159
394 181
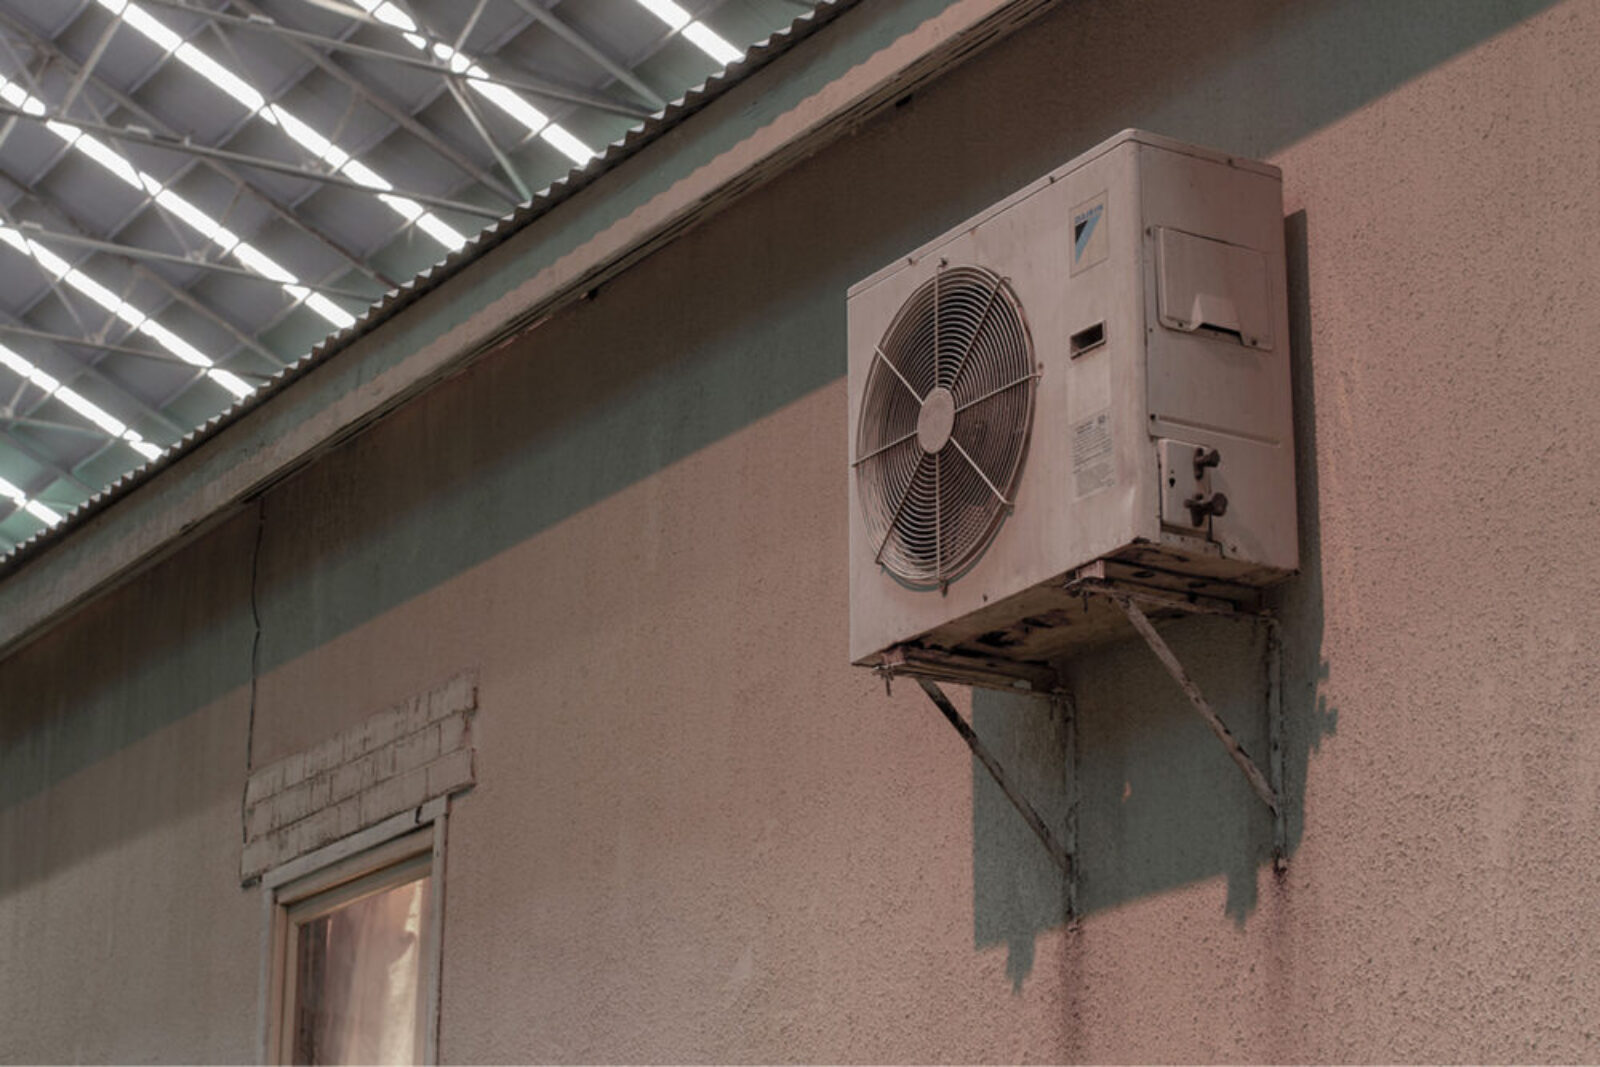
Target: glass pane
356 982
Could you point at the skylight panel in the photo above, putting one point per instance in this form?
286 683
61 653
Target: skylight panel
694 31
220 76
301 132
113 426
26 370
711 43
145 23
508 101
199 221
44 513
480 81
436 228
674 16
98 151
322 305
564 142
65 272
17 96
91 411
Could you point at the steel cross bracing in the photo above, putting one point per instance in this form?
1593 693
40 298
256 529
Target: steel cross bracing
89 79
373 97
77 85
482 130
622 74
79 80
33 229
17 330
464 100
135 135
312 172
395 112
54 288
532 86
334 70
591 50
175 292
91 370
282 211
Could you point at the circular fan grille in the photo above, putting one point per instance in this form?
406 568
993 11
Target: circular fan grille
944 423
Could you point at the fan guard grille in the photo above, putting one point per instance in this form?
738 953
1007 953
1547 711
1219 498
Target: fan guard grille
944 424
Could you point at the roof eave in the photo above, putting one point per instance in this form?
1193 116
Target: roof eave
304 411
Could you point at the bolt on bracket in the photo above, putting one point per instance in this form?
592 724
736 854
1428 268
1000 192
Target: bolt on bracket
929 668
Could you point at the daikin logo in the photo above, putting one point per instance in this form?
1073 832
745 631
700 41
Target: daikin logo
1083 225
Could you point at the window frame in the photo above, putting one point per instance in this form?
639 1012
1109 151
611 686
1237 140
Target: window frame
395 845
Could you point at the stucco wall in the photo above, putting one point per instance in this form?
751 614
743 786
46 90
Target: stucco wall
698 834
123 933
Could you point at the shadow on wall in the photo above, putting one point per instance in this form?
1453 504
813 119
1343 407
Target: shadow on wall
1160 804
598 398
78 702
607 394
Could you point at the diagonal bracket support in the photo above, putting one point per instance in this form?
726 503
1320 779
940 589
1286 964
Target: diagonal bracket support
1060 852
1270 791
930 666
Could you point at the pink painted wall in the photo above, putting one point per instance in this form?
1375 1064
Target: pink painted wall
699 835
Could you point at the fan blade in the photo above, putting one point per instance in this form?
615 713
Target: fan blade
894 516
967 513
977 330
938 516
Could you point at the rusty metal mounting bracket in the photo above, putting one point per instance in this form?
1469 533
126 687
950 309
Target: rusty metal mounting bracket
929 667
1061 852
1268 786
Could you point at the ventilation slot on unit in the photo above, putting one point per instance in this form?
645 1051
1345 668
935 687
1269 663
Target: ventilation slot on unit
944 421
1084 340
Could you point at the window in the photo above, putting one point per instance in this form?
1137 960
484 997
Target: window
354 955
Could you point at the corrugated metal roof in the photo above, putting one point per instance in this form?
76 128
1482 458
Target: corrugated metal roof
392 117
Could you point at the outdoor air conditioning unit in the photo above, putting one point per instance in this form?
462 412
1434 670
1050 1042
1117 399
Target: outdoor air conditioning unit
1090 377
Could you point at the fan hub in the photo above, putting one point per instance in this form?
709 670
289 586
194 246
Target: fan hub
936 419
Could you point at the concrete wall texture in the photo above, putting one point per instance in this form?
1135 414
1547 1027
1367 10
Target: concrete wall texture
698 834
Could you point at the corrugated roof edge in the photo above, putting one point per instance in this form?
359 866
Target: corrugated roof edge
758 56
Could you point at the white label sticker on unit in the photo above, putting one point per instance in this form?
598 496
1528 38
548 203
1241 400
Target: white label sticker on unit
1089 228
1094 459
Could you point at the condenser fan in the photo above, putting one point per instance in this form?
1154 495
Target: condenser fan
944 423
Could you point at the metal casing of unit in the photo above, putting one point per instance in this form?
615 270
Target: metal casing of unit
1149 276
